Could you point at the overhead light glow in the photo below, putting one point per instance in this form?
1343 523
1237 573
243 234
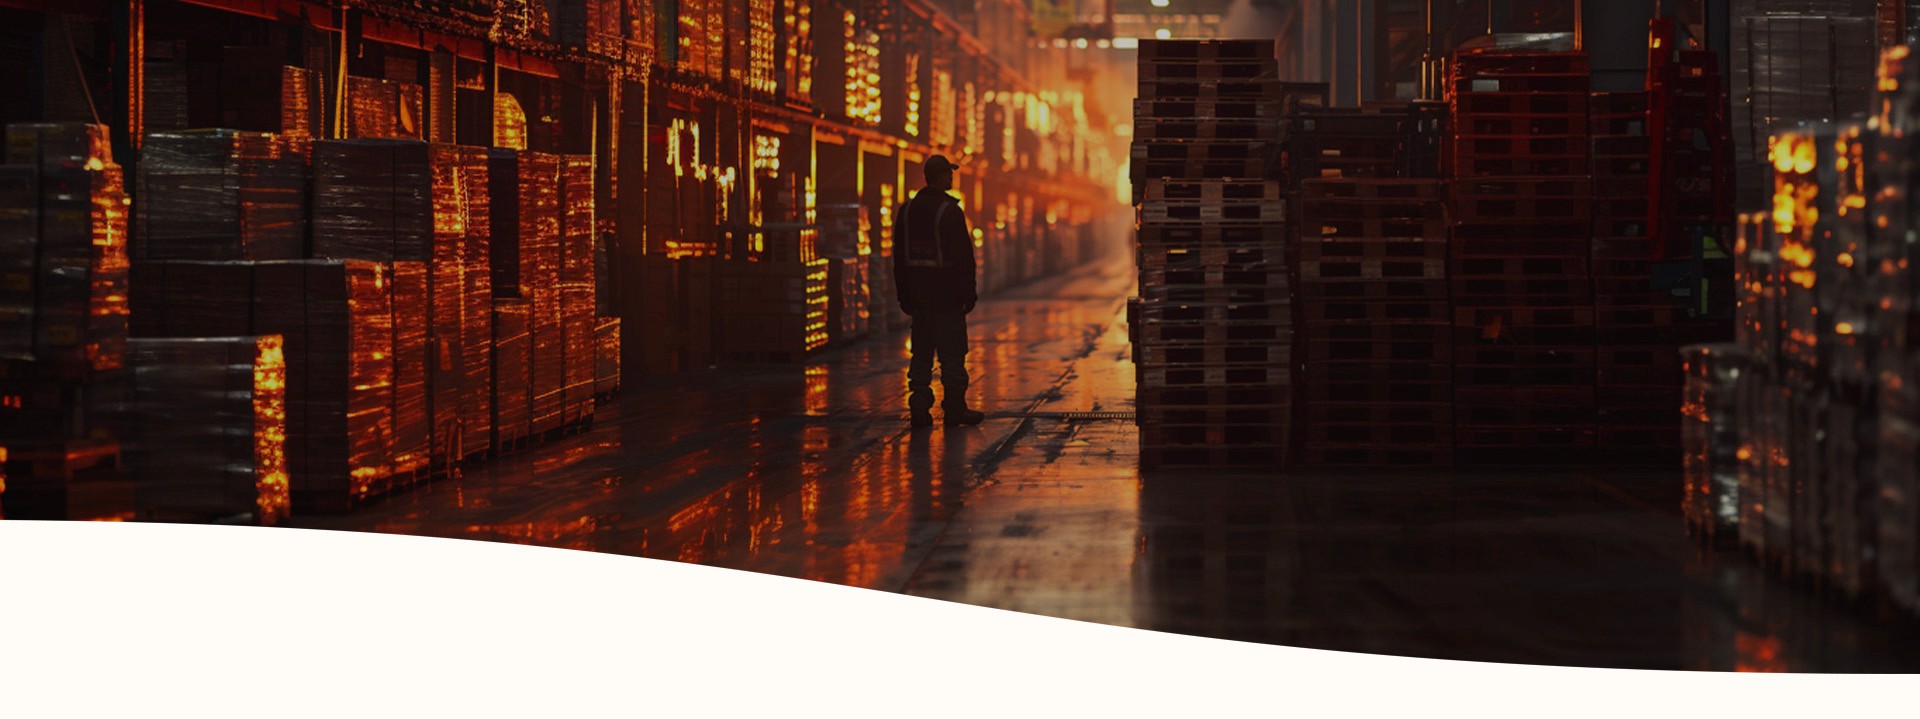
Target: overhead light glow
1163 33
1160 3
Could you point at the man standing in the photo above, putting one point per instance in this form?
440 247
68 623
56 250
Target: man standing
933 271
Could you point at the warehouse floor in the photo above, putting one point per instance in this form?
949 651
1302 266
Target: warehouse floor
811 472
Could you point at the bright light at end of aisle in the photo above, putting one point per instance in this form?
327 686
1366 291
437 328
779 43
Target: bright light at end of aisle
1123 183
1160 3
1163 33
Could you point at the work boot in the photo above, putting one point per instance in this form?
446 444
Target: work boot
964 418
922 420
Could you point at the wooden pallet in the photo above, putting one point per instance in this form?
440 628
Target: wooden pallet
1478 165
1397 190
1174 128
1259 353
1227 70
1377 311
1176 258
1165 211
1378 413
1178 416
1235 191
1379 249
1208 376
1275 278
1329 455
1252 169
1237 89
1520 146
1372 289
1213 333
1521 126
1216 312
1197 151
1351 393
1202 236
1276 397
1470 106
1345 269
1573 266
1377 435
1204 109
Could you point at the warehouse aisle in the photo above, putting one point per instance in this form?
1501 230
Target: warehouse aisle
811 472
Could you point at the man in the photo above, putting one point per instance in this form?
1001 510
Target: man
934 274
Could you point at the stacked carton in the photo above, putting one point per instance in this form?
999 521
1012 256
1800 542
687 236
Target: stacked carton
63 320
209 428
1215 322
1711 429
221 195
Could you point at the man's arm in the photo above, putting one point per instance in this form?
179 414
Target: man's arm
960 248
899 255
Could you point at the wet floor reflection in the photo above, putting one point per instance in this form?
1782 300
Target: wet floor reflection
811 472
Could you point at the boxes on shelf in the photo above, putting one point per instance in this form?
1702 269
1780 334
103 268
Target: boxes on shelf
74 262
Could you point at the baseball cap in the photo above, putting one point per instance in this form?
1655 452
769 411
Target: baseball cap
940 163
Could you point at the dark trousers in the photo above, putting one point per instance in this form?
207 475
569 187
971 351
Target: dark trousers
943 335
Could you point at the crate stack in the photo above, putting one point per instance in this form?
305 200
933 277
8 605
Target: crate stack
221 195
208 429
1712 432
1892 173
1215 325
1375 323
1521 205
63 322
576 289
527 260
1639 373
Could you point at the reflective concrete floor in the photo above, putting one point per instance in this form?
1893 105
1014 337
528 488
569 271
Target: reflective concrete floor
812 472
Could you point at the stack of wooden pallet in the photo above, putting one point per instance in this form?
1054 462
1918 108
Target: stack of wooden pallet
1375 325
1214 327
1522 289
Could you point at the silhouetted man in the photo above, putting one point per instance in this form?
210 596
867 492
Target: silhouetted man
933 272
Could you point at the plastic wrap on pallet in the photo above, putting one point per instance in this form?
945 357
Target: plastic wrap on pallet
384 110
80 278
336 318
1713 434
221 195
477 310
375 200
209 428
410 449
1890 178
1793 66
606 344
512 372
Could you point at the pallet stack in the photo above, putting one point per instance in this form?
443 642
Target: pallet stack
1215 322
1712 431
1638 370
63 322
1521 205
209 429
1892 173
1375 323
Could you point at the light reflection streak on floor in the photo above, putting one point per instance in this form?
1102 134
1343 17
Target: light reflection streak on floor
811 472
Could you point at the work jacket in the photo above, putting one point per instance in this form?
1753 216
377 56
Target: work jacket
933 266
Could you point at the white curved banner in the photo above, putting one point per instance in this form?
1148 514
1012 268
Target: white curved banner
182 620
